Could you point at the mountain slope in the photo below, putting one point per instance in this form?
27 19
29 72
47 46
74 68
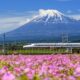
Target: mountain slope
48 25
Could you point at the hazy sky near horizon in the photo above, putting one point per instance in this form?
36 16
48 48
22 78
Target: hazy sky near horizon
15 12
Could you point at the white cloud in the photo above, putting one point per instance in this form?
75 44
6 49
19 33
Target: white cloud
76 16
12 20
10 23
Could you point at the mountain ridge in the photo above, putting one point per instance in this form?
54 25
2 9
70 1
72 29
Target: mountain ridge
47 25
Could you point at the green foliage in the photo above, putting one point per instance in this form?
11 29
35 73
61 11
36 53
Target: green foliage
3 63
10 68
36 77
23 77
70 71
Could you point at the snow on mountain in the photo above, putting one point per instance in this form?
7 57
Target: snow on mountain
51 16
50 13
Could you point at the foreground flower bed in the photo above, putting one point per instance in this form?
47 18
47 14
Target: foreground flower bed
40 67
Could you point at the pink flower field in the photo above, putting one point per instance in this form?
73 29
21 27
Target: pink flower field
40 67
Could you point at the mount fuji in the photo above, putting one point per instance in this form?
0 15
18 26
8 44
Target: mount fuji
47 26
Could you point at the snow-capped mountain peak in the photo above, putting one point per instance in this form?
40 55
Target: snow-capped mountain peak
50 15
50 12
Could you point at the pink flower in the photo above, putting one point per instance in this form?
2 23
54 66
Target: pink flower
8 76
47 79
26 70
71 78
30 76
77 72
2 71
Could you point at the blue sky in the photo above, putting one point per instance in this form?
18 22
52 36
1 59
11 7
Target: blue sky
13 13
32 5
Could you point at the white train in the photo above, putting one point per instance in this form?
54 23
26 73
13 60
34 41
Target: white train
65 45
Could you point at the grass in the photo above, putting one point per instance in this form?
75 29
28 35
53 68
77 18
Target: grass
36 51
